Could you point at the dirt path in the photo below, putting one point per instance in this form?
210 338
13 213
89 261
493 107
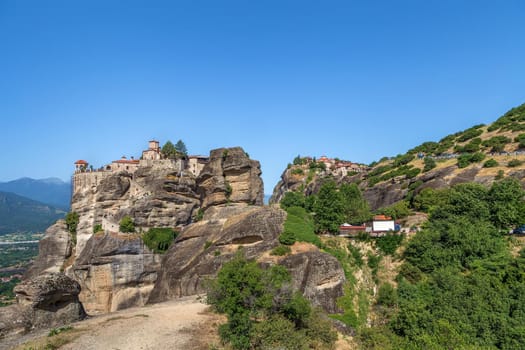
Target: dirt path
179 324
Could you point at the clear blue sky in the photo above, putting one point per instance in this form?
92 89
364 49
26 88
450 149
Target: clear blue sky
356 80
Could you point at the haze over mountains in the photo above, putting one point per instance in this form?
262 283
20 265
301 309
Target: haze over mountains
52 191
21 214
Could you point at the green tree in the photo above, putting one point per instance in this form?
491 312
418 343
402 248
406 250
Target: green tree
159 239
329 208
506 203
127 225
430 164
356 208
293 199
72 219
180 147
169 151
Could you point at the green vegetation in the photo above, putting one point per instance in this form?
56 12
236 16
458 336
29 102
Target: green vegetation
127 225
389 243
491 163
299 226
17 254
281 250
171 151
159 239
262 310
497 143
396 211
297 171
56 331
521 139
98 228
6 290
459 286
514 163
430 164
466 159
512 120
72 223
470 133
329 208
356 209
200 215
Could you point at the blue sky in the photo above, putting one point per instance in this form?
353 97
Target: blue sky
356 80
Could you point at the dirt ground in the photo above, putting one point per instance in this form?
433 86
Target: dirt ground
181 324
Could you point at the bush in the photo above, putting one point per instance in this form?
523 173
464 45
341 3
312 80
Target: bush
127 225
521 139
469 134
97 228
292 199
287 238
514 163
389 243
430 164
491 163
159 239
387 295
262 312
297 171
281 250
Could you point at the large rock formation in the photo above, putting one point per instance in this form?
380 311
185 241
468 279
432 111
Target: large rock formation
159 195
116 271
230 177
53 250
49 300
201 250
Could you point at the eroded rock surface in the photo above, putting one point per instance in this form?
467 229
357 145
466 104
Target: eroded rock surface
48 300
115 271
53 250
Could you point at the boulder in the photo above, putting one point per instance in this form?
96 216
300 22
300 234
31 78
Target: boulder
49 300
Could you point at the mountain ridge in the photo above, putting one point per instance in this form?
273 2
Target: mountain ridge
52 191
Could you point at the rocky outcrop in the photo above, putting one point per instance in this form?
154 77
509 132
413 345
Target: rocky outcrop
54 249
159 195
389 192
319 276
49 300
201 249
230 177
204 247
115 271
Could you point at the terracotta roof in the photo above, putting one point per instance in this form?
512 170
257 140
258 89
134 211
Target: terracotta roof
81 161
382 218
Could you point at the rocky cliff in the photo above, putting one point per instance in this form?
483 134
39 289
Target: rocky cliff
482 154
116 270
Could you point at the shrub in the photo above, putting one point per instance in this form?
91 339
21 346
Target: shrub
159 239
72 222
387 295
292 199
470 134
430 164
491 163
297 171
514 163
497 143
396 211
287 237
97 228
127 225
521 139
389 243
500 175
281 250
200 215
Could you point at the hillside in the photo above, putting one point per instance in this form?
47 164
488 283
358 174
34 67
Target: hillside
52 191
480 154
21 214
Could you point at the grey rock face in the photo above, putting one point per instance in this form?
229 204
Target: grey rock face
49 300
319 276
202 248
53 250
230 177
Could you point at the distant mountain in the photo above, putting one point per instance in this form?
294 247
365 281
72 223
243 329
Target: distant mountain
21 214
52 191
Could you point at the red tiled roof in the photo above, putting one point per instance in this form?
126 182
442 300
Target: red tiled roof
81 161
382 218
